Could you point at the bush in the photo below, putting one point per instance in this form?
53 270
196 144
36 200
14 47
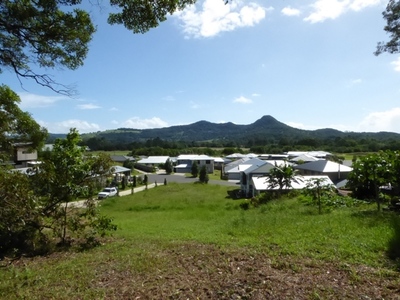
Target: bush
244 205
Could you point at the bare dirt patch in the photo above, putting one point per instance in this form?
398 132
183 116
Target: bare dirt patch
194 271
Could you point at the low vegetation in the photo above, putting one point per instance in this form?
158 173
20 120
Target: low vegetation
194 241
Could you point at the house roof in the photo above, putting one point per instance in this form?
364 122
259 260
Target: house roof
221 160
257 166
119 169
194 157
261 183
324 166
154 160
243 165
121 158
240 155
304 157
273 156
181 166
235 163
265 168
320 154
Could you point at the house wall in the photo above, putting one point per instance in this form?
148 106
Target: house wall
23 154
200 163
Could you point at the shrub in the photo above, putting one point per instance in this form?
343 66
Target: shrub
244 205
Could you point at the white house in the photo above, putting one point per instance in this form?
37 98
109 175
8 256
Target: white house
24 155
258 169
233 169
185 161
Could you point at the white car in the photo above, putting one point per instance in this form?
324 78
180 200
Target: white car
107 192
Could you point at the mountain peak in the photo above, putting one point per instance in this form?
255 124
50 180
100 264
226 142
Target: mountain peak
270 122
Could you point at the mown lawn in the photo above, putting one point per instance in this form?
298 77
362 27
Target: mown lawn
193 241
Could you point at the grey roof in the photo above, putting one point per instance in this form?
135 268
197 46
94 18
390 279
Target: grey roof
121 158
235 163
257 165
304 157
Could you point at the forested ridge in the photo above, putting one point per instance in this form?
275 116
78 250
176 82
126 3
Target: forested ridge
264 135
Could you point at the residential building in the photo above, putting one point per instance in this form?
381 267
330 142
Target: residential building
185 162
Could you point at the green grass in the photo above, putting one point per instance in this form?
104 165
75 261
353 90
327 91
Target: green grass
204 214
152 221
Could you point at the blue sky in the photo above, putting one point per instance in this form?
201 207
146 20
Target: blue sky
309 64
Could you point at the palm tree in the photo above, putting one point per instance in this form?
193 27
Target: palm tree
281 176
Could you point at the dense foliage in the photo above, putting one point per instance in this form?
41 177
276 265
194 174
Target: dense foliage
43 34
392 27
16 125
36 210
375 174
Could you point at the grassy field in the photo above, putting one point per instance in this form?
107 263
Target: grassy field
192 241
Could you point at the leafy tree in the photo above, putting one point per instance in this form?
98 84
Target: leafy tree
45 34
203 176
318 188
372 171
168 166
20 219
281 176
64 177
392 17
140 16
195 169
16 125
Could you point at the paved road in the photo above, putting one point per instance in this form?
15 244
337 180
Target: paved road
159 178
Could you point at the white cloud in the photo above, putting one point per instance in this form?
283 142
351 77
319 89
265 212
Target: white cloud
114 109
255 95
65 126
88 106
356 81
326 9
29 100
357 5
396 64
332 9
289 11
381 121
194 105
242 100
215 16
138 123
169 98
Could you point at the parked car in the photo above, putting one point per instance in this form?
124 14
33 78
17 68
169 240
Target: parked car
107 192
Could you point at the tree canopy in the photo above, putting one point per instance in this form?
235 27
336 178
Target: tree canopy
141 15
392 27
56 33
45 34
16 125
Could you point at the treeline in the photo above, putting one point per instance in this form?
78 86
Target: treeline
335 145
158 146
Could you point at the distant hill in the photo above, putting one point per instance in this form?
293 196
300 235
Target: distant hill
266 128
